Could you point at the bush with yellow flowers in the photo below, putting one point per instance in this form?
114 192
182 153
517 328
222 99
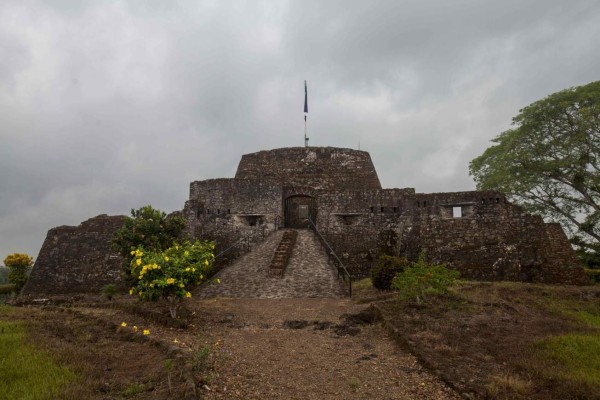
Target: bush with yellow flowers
170 274
18 267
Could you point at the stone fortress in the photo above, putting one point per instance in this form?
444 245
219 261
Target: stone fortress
336 190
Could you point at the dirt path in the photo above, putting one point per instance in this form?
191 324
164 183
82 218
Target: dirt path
259 357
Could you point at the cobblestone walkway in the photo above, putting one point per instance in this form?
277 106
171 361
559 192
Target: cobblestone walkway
307 275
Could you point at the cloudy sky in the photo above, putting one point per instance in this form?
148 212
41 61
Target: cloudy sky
110 105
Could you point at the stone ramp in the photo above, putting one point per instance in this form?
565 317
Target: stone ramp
307 275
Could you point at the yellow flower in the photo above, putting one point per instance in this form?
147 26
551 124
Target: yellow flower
188 294
131 291
166 258
123 324
181 285
186 253
218 280
170 281
187 269
135 328
205 262
138 262
132 252
146 331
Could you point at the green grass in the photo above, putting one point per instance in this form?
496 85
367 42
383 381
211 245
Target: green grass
578 355
25 372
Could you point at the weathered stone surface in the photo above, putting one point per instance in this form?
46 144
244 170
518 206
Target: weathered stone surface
478 232
77 259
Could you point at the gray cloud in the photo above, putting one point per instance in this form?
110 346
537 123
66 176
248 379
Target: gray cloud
107 106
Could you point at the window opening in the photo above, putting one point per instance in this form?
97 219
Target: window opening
457 212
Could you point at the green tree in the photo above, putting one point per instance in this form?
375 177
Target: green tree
549 162
18 268
149 229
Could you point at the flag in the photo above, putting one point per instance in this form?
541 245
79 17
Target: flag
305 99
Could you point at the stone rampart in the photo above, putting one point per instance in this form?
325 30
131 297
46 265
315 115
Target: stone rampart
327 168
77 259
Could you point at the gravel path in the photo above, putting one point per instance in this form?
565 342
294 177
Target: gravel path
307 275
258 357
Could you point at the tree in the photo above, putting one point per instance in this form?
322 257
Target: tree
549 162
18 267
170 274
149 229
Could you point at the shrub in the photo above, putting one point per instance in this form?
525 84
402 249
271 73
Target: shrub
3 275
170 274
109 291
147 228
593 274
7 289
422 279
386 269
18 268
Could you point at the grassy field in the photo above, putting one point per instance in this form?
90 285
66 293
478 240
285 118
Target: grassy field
504 340
27 373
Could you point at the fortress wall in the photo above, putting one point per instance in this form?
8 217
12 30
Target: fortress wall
226 210
323 168
491 240
77 259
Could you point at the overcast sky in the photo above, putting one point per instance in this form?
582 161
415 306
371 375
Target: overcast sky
110 105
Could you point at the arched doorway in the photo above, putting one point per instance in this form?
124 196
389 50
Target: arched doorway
298 209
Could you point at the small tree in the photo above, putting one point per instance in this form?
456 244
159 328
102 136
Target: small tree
385 270
147 228
421 279
18 267
170 274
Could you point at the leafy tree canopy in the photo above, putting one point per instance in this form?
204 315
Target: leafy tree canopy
18 268
149 229
549 162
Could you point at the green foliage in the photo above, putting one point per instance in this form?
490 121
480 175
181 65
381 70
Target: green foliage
550 161
421 279
18 268
3 275
589 258
147 228
7 289
385 270
200 359
578 355
110 291
594 274
170 274
25 372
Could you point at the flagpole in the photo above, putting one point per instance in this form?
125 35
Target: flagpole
305 113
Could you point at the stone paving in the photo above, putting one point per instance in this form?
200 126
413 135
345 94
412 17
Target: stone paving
307 275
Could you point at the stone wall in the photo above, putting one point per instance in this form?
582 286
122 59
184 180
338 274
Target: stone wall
318 167
478 233
228 211
77 259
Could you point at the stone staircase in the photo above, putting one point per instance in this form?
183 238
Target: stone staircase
307 274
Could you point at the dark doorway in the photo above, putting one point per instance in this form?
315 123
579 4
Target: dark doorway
298 210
